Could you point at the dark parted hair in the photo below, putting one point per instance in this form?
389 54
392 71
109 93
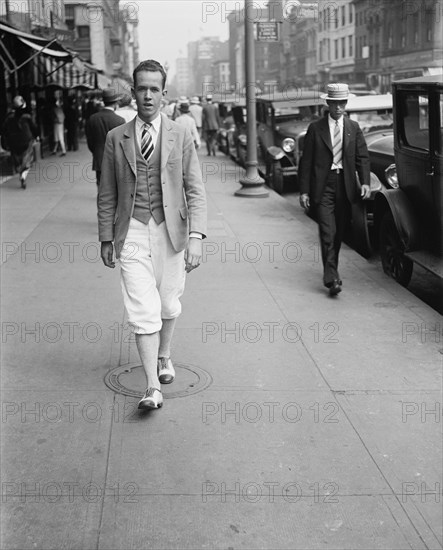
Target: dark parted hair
150 65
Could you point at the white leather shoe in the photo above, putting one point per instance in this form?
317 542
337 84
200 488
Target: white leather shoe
153 399
165 369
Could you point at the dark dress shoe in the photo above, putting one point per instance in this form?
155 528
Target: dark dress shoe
335 288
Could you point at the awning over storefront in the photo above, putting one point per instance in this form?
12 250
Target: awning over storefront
44 50
38 46
50 62
66 75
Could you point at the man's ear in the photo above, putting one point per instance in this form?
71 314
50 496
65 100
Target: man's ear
164 92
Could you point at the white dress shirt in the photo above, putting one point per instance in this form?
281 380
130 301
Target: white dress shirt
154 129
331 123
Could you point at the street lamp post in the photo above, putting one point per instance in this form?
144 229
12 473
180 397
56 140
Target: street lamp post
252 183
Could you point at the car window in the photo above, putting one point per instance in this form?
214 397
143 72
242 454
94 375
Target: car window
371 120
416 120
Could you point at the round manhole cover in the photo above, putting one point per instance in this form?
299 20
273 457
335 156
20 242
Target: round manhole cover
130 380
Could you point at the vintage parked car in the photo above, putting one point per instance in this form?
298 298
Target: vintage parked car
372 112
282 122
381 154
409 218
232 135
281 117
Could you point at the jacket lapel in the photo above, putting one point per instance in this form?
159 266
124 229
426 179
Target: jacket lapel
324 132
128 146
168 136
347 128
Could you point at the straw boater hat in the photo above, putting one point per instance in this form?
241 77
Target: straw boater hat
337 92
195 100
18 102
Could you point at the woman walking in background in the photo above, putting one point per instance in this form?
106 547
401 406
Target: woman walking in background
58 119
18 135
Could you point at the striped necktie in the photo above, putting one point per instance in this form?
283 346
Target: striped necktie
147 145
336 146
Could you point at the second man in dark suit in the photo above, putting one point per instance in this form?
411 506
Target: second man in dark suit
334 152
98 126
210 123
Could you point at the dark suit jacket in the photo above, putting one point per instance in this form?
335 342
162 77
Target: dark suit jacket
210 117
184 197
97 127
316 161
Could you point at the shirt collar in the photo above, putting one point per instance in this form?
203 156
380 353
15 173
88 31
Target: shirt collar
332 121
155 124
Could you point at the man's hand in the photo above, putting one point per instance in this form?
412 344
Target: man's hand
193 254
304 201
365 191
107 253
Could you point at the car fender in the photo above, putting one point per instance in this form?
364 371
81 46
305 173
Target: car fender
275 153
405 219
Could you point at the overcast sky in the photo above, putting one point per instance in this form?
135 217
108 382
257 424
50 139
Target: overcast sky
166 26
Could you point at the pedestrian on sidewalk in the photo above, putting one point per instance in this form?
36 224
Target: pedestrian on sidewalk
97 127
18 135
185 119
58 121
152 212
211 124
125 108
334 150
72 123
197 113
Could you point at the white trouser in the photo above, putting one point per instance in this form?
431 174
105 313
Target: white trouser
152 276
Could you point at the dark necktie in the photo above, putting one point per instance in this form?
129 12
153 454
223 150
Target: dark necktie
336 146
147 146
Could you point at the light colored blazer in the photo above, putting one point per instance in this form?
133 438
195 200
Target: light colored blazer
184 197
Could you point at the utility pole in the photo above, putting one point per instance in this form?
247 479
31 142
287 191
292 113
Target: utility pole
252 183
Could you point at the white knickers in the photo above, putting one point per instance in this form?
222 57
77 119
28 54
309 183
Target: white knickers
152 276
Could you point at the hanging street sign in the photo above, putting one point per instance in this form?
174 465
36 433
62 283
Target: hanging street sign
267 31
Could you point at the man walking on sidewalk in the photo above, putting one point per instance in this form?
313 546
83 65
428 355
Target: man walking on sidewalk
211 123
97 127
334 150
152 211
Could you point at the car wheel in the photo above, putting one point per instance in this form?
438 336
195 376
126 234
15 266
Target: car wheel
394 262
276 179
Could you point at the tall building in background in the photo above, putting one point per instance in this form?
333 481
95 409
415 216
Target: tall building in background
181 80
220 68
335 42
269 56
302 62
411 40
45 18
105 35
202 54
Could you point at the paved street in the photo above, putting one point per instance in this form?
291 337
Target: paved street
296 421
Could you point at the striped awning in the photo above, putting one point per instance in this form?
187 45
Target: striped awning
66 75
52 63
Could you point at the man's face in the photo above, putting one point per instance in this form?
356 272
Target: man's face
336 108
148 94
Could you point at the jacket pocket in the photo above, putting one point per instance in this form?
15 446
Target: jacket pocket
183 212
